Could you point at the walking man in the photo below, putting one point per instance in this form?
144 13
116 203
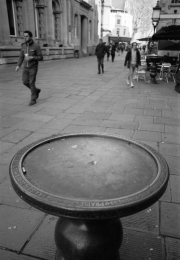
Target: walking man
113 51
100 52
30 55
133 61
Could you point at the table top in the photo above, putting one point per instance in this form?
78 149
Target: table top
89 175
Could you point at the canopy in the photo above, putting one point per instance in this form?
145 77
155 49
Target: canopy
171 32
145 39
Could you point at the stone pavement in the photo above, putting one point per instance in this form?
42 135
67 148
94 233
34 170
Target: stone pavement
74 98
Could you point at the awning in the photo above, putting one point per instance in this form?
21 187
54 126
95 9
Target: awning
171 32
145 39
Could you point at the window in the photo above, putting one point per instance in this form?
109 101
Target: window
175 1
118 31
11 17
118 21
124 32
75 25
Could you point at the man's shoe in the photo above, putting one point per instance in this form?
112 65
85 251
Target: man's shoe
132 85
38 92
32 102
127 81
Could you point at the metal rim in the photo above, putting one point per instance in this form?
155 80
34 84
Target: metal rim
59 206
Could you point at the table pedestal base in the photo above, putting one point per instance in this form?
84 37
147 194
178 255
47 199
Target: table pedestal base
78 239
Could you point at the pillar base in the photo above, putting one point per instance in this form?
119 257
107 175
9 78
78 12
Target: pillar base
88 239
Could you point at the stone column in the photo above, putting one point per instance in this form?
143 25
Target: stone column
57 27
84 34
41 20
69 22
50 24
65 27
19 17
4 28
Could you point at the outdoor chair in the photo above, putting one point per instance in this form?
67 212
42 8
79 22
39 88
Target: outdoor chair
172 72
164 71
141 72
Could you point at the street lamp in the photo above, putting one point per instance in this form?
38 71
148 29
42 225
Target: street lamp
102 11
156 15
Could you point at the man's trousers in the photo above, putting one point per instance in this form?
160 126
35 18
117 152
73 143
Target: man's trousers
29 79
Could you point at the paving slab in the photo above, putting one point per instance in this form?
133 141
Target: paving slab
147 136
175 190
8 255
146 220
16 136
42 243
170 224
4 146
172 129
169 149
120 124
9 197
142 245
172 248
174 164
171 138
4 172
17 226
151 127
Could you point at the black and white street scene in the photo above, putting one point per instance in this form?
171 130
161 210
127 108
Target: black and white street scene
89 130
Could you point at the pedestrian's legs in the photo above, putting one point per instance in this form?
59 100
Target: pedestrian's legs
32 79
102 65
108 56
99 65
25 77
132 68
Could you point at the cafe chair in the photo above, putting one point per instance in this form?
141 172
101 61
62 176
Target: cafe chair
141 73
165 71
172 72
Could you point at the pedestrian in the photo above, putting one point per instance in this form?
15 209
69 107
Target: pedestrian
100 52
30 54
132 61
113 51
108 51
122 49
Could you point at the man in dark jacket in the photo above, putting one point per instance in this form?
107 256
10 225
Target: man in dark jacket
132 61
113 51
30 55
100 52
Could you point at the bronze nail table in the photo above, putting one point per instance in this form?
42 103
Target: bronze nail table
90 181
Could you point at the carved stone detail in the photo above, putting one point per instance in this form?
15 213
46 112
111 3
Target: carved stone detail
19 17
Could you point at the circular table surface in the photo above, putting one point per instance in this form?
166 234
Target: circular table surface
89 175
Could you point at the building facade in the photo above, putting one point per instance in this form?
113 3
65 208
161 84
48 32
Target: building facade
170 15
117 23
64 26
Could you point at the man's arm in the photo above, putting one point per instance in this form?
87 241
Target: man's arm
126 58
96 50
39 55
21 59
